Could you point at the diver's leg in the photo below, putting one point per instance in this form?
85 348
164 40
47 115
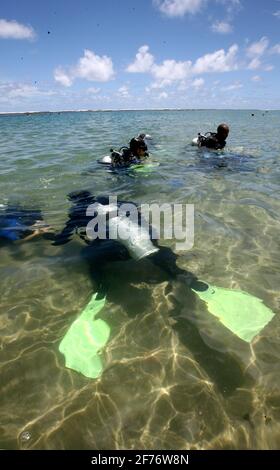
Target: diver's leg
165 259
97 254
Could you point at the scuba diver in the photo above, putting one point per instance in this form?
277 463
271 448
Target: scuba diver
125 156
115 281
213 140
100 251
19 224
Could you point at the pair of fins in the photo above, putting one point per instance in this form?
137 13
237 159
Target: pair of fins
241 313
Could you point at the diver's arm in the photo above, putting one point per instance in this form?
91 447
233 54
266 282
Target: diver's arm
37 232
29 237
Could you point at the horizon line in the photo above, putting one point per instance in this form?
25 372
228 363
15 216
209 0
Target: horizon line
2 113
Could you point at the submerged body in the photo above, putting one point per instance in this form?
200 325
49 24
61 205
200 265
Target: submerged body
84 342
99 252
18 223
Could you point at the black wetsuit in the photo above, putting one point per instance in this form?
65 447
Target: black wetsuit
211 141
100 251
117 285
123 158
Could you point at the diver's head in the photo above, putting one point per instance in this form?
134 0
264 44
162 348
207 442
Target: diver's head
223 131
138 147
141 136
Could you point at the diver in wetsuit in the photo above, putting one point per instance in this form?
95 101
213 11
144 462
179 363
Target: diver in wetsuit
18 224
135 153
100 251
214 140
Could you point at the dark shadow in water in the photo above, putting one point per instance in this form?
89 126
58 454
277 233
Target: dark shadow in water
223 369
125 171
211 160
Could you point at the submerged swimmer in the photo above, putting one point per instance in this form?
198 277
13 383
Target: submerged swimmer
18 224
135 153
214 140
116 281
101 251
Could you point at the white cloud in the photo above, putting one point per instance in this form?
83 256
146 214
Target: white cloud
94 68
165 73
254 64
256 78
28 91
277 14
160 84
257 49
222 27
61 77
232 6
198 83
174 8
93 90
218 61
90 67
17 90
123 91
143 61
161 95
14 30
275 49
234 86
171 71
180 8
269 68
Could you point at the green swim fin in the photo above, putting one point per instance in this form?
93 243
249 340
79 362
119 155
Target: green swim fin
84 340
144 167
243 314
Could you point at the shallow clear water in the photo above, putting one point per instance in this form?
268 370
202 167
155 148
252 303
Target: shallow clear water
172 378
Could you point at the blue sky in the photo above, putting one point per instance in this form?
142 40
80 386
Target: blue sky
128 54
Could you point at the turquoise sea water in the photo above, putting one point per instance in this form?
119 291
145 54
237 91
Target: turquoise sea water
172 379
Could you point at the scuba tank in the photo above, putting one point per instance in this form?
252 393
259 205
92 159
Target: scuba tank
117 158
121 157
200 138
130 234
137 240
